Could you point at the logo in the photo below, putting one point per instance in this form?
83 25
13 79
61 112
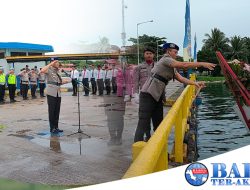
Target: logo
231 175
196 174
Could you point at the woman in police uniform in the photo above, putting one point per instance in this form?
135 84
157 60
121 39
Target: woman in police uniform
150 102
54 81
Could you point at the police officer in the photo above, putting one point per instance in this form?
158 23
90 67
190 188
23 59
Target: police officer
41 79
150 105
11 79
54 81
143 71
141 74
2 85
25 82
33 76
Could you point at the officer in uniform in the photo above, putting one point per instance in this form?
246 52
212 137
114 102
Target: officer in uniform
99 80
150 105
33 75
2 85
113 80
74 78
85 80
54 81
11 78
41 79
141 74
107 79
25 82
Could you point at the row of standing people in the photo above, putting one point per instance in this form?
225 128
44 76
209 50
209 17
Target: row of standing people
109 79
29 79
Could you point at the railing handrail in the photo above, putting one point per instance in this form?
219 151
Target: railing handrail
146 161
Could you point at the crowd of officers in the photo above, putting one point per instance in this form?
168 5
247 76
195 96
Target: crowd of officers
29 78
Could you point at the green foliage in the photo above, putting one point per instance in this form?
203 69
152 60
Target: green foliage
210 79
145 41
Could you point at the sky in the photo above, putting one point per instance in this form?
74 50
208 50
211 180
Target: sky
61 23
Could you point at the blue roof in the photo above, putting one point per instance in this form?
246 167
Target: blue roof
26 46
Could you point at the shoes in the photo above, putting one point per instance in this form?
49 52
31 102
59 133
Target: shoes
25 98
85 95
12 101
33 97
54 131
59 130
42 96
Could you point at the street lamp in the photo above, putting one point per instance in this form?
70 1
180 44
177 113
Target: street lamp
138 47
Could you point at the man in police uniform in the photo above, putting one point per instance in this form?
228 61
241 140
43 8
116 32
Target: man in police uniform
2 85
33 75
11 79
93 73
41 79
74 78
150 105
25 82
54 81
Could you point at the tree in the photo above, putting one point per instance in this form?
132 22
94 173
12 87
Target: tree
217 41
237 48
247 45
144 42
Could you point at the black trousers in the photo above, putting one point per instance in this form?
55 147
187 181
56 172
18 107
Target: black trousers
93 84
107 86
74 84
114 85
85 83
54 104
33 89
42 87
21 86
2 92
12 91
25 89
148 109
100 86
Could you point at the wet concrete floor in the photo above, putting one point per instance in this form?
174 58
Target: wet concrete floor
101 153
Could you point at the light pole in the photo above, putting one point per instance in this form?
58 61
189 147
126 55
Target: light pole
138 47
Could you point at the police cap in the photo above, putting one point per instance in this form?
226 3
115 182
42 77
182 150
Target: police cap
170 46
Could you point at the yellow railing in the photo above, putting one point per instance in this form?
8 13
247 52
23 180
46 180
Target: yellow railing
153 156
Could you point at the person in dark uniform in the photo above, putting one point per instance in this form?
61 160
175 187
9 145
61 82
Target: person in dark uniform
99 80
85 80
54 81
11 80
150 101
74 78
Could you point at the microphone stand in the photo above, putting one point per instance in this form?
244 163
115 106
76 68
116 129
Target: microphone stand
79 131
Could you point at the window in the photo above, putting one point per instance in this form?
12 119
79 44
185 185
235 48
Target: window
2 55
17 53
34 53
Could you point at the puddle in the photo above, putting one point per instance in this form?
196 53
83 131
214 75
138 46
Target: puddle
21 136
89 146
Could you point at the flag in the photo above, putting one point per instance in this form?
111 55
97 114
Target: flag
187 37
195 49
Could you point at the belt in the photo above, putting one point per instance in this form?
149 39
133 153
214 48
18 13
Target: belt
54 83
32 81
41 80
160 78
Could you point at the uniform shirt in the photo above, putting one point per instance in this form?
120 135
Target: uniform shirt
93 73
107 74
99 74
154 86
3 79
9 76
86 74
41 77
74 74
114 72
54 77
24 77
141 74
33 78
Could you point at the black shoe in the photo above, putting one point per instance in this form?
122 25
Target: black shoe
54 131
85 95
59 130
25 98
33 97
12 101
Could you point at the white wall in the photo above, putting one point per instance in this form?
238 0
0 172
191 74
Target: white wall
18 66
4 64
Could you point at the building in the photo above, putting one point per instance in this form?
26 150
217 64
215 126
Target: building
14 49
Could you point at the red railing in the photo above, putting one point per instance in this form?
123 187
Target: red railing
237 88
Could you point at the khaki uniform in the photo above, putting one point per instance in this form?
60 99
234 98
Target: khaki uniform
41 79
150 102
25 83
54 81
141 74
33 83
